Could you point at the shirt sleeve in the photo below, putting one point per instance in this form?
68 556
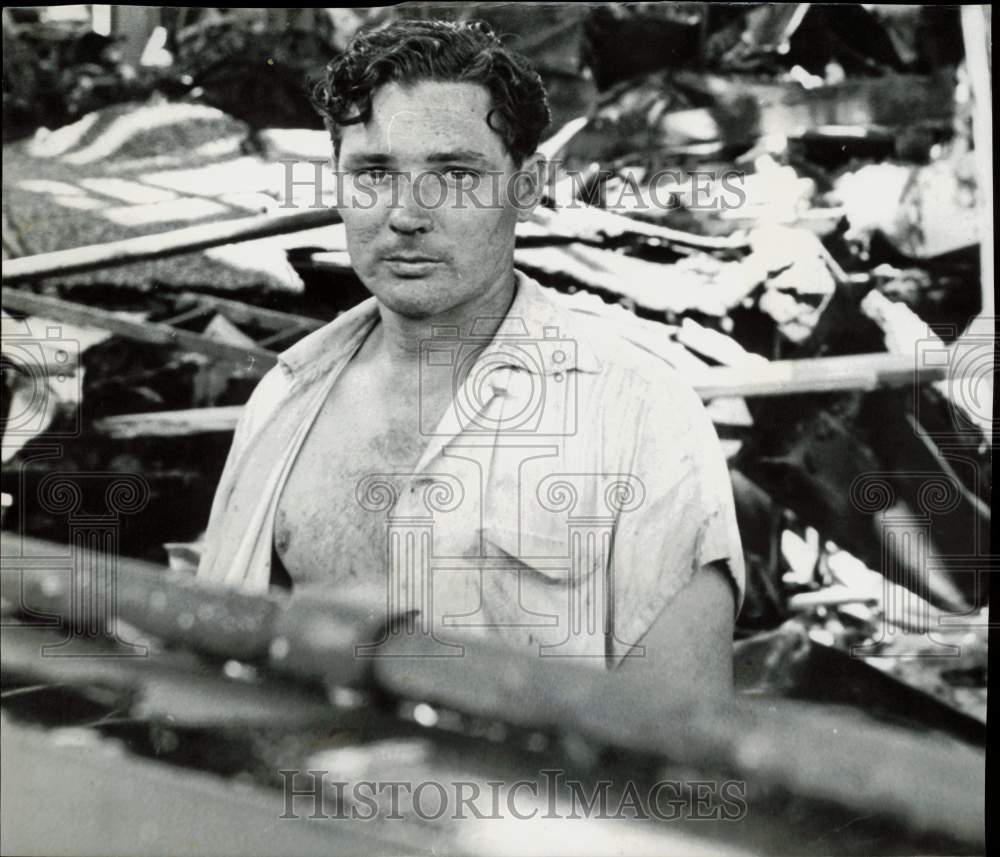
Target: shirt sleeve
262 402
687 519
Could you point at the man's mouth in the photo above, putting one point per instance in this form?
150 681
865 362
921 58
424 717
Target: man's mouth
410 258
411 264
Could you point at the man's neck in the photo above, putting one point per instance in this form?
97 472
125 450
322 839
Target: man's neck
396 342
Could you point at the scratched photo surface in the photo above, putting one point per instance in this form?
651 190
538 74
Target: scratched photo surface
496 429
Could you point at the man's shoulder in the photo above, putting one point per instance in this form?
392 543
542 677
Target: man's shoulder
308 360
327 344
631 351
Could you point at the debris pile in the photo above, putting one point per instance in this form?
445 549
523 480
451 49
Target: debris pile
250 63
252 690
788 193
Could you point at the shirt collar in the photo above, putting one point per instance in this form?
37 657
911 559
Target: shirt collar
536 335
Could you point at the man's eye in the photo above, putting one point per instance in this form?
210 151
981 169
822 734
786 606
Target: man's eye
372 175
461 175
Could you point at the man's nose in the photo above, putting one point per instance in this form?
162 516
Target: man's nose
407 215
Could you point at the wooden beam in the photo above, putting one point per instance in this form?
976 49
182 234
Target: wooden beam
170 423
255 360
163 244
976 34
864 372
589 223
243 313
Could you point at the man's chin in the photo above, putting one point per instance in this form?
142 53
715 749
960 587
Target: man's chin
416 310
410 298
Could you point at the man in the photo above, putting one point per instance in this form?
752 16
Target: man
484 454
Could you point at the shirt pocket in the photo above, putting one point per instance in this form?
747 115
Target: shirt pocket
544 551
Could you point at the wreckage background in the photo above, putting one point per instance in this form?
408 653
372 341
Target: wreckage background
854 128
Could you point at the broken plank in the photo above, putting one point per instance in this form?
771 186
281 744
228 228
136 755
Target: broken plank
865 372
715 345
256 360
239 312
238 625
589 223
170 423
161 245
696 283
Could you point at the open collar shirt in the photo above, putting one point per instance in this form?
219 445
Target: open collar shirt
573 488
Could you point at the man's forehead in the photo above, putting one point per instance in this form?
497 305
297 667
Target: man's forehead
424 118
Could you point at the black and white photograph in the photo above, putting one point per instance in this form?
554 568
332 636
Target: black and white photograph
496 429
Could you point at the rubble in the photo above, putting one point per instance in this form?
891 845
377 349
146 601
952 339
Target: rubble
138 170
790 218
291 648
923 211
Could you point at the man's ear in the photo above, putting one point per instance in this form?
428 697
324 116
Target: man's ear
528 186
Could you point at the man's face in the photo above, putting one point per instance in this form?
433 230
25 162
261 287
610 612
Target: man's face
429 203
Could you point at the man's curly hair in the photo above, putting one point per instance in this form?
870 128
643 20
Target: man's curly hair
411 51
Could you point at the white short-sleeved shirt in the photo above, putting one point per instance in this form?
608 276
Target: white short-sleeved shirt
572 490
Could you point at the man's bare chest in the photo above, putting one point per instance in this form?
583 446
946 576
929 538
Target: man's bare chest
323 532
